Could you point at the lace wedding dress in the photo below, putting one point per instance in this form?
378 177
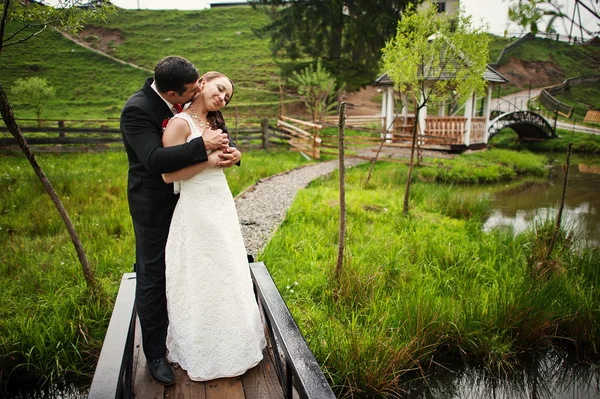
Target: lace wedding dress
215 328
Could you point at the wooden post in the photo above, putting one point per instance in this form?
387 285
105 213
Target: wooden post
281 106
342 171
265 133
61 124
236 123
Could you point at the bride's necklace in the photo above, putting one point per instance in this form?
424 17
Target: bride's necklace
201 124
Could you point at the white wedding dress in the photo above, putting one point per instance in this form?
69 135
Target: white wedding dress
215 329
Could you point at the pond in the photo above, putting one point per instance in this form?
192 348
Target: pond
527 203
551 375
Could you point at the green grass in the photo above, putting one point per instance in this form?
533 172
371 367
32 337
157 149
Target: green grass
483 167
572 60
91 86
88 86
49 327
422 288
582 142
497 44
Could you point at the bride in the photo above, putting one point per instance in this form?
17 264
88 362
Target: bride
215 328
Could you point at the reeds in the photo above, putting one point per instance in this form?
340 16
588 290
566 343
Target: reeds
429 286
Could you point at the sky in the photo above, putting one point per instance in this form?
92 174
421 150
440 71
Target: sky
492 12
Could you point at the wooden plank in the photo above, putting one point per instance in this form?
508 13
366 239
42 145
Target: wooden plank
225 388
110 367
48 129
261 381
301 122
293 129
184 388
144 386
137 351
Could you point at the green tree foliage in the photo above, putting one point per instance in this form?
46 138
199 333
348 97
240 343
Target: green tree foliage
346 35
526 14
35 92
432 55
32 18
318 88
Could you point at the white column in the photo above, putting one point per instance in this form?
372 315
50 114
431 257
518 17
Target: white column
383 107
442 109
468 116
389 112
422 113
486 112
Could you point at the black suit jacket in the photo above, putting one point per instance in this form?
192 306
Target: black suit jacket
151 200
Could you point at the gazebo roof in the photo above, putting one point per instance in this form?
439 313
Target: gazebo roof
490 75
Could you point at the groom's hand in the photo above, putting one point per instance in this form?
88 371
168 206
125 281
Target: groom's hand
215 139
229 157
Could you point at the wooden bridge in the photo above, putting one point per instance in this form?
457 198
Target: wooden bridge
288 368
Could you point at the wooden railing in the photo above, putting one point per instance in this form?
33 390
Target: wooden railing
296 365
113 376
477 130
73 135
448 128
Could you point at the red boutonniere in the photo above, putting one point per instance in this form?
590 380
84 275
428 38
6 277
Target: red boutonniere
165 123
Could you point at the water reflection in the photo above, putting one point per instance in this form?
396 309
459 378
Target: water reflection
547 376
520 207
62 390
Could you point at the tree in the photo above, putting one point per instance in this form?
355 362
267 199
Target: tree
431 55
346 35
36 93
526 14
318 88
27 20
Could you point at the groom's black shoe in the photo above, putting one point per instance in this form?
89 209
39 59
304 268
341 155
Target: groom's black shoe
161 370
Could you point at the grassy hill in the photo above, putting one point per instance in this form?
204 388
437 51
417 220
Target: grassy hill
545 62
91 86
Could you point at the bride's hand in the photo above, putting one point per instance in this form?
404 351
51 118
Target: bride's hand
214 158
215 139
229 157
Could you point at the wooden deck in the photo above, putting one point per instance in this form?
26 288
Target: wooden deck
288 370
261 382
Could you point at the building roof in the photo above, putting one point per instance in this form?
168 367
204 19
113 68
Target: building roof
490 75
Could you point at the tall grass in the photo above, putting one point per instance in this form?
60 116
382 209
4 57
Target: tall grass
421 288
49 327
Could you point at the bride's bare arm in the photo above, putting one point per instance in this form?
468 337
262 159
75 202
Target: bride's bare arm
193 170
176 133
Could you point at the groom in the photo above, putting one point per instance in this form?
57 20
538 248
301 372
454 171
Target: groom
151 200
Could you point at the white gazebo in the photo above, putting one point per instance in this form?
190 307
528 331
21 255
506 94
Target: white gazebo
467 130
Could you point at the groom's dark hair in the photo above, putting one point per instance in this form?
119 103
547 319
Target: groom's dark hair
173 73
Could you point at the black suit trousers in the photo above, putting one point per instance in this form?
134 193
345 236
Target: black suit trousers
151 301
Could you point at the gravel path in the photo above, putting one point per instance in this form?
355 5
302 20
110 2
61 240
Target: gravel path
262 208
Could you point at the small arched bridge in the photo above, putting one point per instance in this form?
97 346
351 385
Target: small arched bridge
528 125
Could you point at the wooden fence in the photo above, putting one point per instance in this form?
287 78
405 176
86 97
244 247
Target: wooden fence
99 135
547 96
441 133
